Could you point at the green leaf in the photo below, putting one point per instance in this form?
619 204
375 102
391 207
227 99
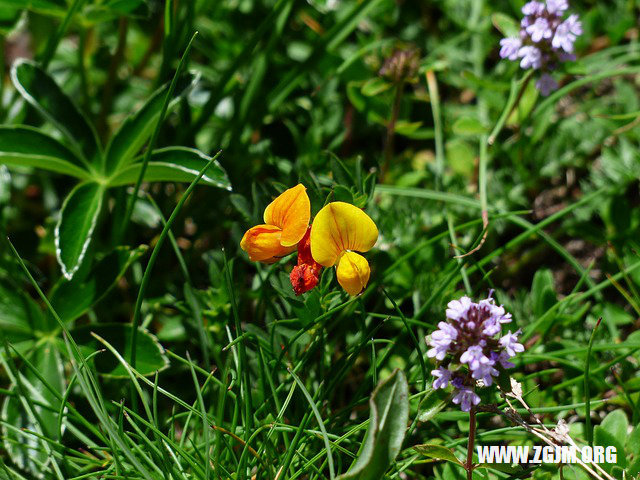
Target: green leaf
506 25
71 299
41 91
150 356
24 146
138 127
468 126
20 316
603 437
57 7
438 452
543 292
174 164
616 424
77 222
633 442
388 419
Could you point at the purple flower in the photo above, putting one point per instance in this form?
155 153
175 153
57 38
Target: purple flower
441 340
503 360
556 7
539 29
474 357
509 48
510 343
531 57
466 397
457 309
566 34
444 376
533 8
546 84
484 372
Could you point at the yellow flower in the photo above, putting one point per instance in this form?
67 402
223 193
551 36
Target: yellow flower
339 230
285 222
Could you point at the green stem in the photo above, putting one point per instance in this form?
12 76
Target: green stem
52 45
154 138
154 256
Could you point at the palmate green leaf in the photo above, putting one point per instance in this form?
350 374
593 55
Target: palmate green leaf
174 164
78 219
71 299
41 91
134 132
150 356
27 147
388 419
24 449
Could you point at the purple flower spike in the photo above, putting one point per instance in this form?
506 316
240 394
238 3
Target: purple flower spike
546 40
470 349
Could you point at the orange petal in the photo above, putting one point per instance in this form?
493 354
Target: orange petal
291 211
263 244
340 227
353 272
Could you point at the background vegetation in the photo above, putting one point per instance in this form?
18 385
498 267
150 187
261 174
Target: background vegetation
235 376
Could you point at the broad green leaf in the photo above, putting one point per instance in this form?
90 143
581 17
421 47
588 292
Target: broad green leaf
388 419
150 356
20 316
602 437
25 450
27 147
41 91
71 299
77 222
616 424
633 441
438 452
134 132
174 164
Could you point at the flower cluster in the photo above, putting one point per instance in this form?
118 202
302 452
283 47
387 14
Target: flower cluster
471 338
338 232
546 39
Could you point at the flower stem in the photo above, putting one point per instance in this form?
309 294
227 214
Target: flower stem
472 437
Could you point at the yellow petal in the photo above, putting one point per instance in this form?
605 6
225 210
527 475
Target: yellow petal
291 211
263 244
353 272
339 227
